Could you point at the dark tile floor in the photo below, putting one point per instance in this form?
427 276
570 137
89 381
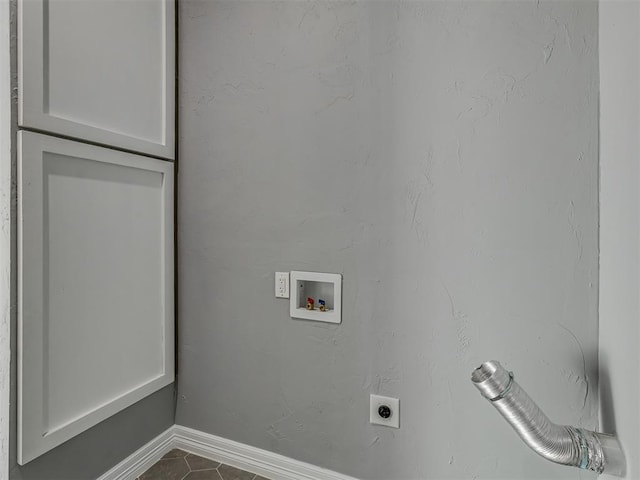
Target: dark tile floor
181 465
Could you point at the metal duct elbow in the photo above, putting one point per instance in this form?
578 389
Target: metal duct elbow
561 444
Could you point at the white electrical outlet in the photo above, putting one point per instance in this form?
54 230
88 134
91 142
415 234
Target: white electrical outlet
384 411
282 284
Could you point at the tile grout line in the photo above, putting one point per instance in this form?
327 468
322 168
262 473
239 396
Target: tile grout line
188 468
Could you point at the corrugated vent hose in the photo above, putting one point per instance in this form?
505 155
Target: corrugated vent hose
561 444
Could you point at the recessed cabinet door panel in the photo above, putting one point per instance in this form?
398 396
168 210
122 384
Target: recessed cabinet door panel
99 70
95 322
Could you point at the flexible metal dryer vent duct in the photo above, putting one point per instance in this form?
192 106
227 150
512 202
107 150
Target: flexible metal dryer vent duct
559 443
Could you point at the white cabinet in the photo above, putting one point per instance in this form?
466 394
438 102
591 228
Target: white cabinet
101 70
95 224
96 291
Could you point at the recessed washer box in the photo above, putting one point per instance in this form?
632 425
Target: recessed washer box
325 286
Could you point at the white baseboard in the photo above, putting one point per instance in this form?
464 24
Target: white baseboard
142 459
239 455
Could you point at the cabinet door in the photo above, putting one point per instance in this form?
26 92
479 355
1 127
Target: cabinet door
99 70
95 286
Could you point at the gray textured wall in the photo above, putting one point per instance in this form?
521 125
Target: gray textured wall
442 156
5 237
619 51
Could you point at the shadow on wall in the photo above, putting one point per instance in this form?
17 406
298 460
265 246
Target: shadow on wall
607 412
